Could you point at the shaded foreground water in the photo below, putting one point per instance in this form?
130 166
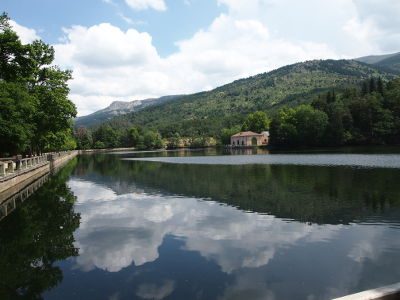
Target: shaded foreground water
202 228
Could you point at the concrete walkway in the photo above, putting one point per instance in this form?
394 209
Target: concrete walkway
389 292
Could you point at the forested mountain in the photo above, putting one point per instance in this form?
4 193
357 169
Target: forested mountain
206 113
118 108
390 62
374 59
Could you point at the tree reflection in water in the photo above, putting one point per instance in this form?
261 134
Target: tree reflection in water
314 194
35 236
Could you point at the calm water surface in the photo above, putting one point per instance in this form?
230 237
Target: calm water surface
181 225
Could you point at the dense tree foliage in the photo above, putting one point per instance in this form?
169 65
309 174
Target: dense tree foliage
256 122
107 136
298 126
36 114
206 114
369 115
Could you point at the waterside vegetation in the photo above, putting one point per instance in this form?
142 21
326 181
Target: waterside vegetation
367 113
35 112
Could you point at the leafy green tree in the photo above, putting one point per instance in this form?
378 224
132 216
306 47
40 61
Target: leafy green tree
84 138
55 110
16 113
302 125
372 85
256 122
152 140
36 95
392 102
107 135
380 86
99 145
320 103
134 135
14 56
226 134
198 142
372 122
310 124
340 124
283 130
174 142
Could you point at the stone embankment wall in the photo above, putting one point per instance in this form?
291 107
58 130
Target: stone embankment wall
17 172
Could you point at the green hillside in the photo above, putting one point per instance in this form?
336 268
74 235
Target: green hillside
374 59
390 62
207 113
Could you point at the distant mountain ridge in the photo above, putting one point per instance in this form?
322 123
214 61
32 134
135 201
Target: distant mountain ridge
118 108
206 113
387 61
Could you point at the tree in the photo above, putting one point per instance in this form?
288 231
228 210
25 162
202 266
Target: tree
55 110
226 134
256 122
379 86
152 140
84 138
364 88
37 114
16 112
392 102
174 142
302 125
372 85
107 136
339 124
14 56
133 136
283 130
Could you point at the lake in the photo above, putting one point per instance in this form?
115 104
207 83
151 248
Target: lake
207 225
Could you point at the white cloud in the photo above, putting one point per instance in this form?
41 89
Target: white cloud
147 4
376 25
111 64
27 35
252 37
156 292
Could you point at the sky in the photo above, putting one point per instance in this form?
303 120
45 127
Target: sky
124 50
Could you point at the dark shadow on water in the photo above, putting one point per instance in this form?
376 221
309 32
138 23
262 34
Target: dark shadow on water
35 236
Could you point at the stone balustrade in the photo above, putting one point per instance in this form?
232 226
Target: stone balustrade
18 164
18 170
10 166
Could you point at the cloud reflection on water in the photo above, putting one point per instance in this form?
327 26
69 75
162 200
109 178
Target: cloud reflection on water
129 229
117 231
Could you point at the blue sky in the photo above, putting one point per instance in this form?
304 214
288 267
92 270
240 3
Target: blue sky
181 20
124 50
